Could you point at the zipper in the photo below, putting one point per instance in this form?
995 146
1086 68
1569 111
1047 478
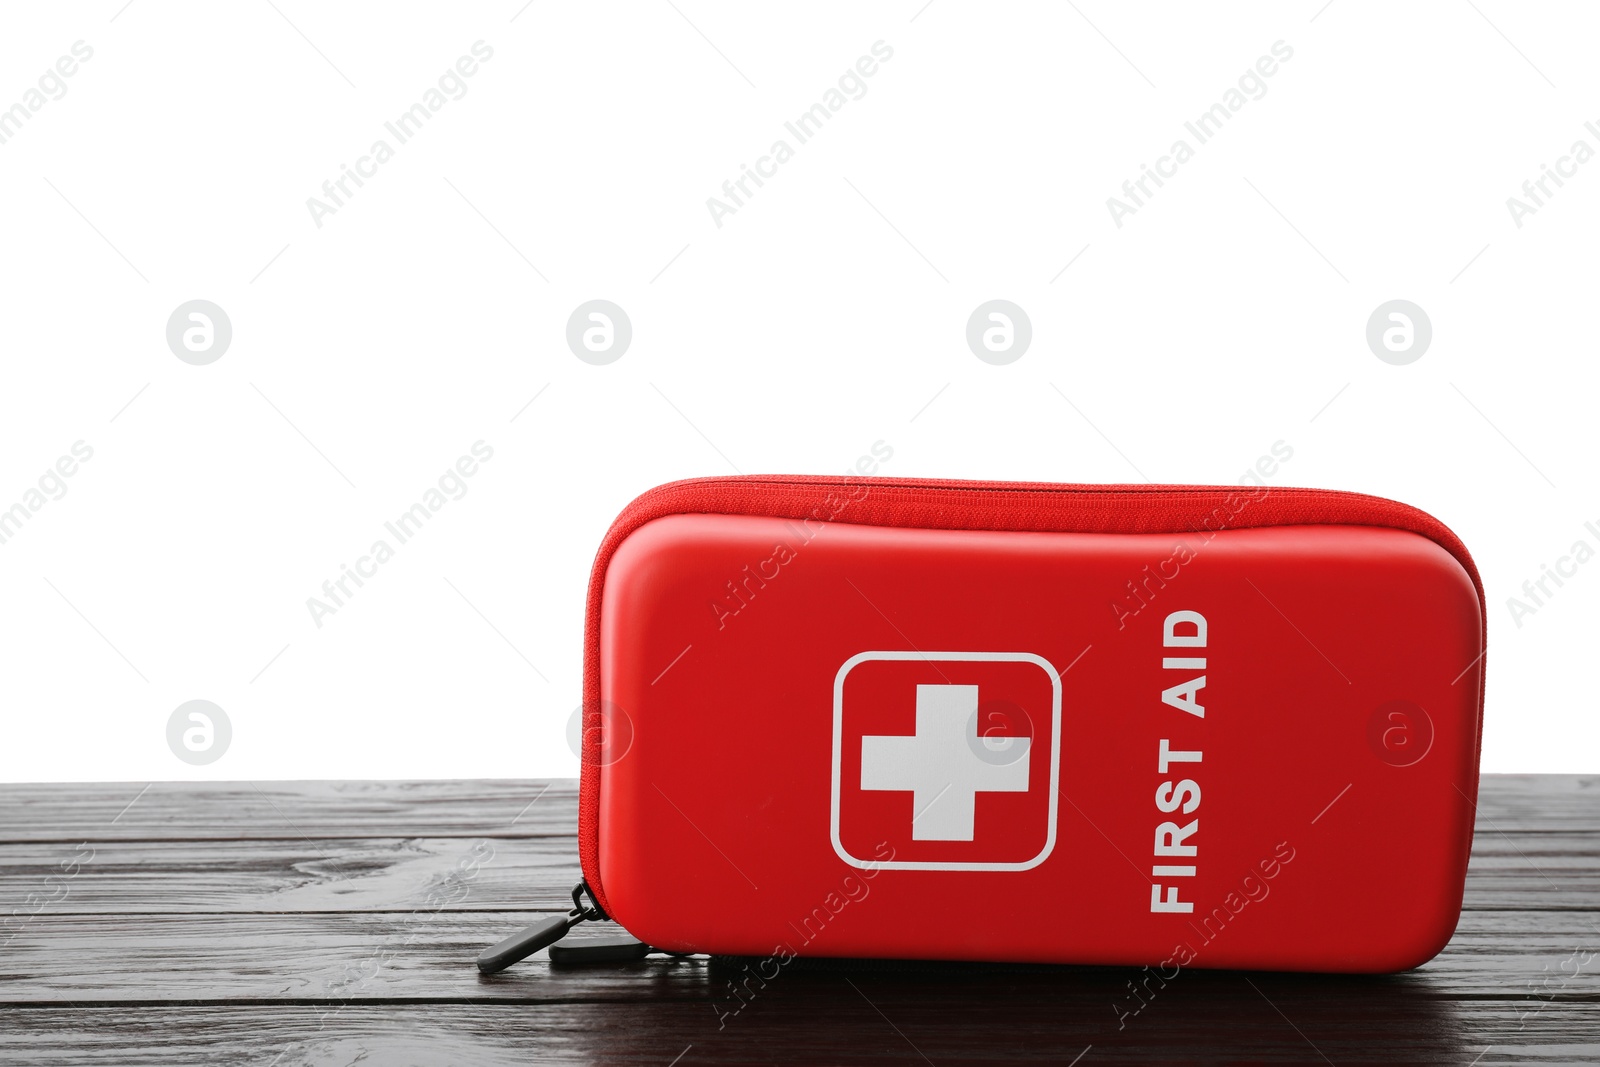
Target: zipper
525 942
936 486
549 933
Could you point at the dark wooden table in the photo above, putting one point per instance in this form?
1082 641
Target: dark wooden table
336 923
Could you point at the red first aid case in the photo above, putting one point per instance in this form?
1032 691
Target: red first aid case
1148 725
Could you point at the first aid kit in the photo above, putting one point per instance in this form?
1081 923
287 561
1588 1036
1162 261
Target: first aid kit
1224 727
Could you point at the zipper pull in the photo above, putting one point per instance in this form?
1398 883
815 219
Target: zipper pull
581 951
524 943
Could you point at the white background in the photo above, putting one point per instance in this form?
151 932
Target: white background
826 314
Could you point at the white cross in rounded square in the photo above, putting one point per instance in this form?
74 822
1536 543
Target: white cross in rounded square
940 764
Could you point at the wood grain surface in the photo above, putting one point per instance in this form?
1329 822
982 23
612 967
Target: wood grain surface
335 923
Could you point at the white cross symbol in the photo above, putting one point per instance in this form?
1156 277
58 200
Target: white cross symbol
942 765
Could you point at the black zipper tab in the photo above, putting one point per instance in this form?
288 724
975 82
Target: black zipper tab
524 943
585 950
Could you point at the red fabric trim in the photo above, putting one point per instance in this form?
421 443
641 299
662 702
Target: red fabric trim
970 505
